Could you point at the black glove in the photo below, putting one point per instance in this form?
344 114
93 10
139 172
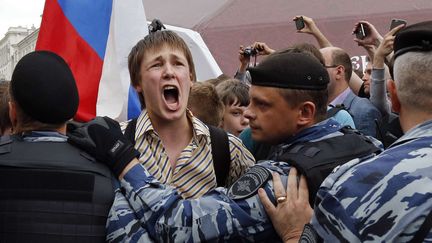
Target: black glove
102 138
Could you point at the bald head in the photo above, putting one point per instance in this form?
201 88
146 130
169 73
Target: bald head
335 56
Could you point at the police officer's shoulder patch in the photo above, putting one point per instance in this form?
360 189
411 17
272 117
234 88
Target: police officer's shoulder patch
249 183
309 235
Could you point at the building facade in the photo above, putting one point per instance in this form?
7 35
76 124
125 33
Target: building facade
17 42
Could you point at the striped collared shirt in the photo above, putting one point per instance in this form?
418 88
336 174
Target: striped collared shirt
194 173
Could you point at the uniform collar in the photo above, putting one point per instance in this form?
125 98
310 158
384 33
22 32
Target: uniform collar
44 136
341 97
421 130
315 132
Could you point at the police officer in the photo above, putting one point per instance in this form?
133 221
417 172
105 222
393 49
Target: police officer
386 198
50 191
288 108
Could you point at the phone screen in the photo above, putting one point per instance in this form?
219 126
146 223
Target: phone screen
396 22
360 32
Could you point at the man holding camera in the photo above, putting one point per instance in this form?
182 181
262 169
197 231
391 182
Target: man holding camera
245 54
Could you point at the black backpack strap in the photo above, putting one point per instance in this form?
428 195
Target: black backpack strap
388 129
130 130
316 160
221 154
424 229
262 151
334 110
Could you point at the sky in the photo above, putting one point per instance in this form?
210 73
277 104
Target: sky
20 13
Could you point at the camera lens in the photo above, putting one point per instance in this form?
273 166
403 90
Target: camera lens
248 51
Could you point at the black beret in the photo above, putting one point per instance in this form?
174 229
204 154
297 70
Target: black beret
290 70
416 37
43 86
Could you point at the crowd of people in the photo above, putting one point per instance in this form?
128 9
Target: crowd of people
300 147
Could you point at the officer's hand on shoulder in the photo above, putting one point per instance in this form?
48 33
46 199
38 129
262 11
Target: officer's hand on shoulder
102 138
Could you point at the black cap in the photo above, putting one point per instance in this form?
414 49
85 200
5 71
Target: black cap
43 86
416 37
290 70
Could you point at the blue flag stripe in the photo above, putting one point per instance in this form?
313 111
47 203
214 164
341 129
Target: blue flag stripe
91 21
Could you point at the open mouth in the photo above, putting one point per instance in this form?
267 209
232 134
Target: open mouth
171 95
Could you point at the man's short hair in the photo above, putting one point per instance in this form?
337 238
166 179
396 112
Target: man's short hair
215 81
413 72
413 66
156 41
340 57
307 47
233 92
205 104
295 97
5 122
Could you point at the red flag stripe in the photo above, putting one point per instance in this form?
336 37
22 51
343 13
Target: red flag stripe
58 35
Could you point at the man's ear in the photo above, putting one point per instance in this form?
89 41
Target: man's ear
221 124
191 78
391 87
138 88
340 72
307 112
12 113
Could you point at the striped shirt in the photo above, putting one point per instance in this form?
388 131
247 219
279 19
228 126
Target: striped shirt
194 173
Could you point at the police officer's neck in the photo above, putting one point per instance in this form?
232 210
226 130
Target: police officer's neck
61 129
410 118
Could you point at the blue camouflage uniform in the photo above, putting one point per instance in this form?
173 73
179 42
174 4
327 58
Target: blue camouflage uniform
383 199
146 210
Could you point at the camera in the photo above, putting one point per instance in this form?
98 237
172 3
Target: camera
249 51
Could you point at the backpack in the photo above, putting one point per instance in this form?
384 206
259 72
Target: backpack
316 160
219 144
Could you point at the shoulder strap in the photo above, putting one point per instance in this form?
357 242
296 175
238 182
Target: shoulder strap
221 154
316 160
130 130
334 110
424 229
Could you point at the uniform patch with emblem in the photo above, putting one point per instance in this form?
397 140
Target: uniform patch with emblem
249 183
309 235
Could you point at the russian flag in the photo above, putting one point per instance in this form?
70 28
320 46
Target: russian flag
94 37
